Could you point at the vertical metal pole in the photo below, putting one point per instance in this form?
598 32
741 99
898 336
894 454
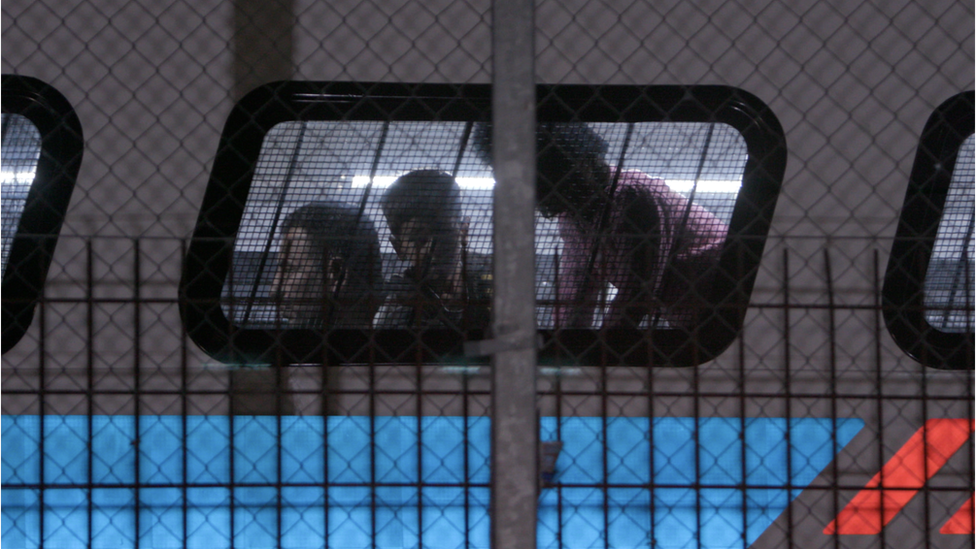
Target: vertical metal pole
263 52
90 371
832 336
184 410
263 43
788 391
43 410
137 385
514 433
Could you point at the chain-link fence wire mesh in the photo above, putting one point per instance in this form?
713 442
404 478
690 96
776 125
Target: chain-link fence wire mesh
119 429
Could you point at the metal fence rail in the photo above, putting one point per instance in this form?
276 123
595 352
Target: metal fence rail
129 444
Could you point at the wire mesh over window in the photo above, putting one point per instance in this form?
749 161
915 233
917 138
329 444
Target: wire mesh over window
950 276
21 149
695 169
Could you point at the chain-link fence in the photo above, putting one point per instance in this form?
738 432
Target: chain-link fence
255 293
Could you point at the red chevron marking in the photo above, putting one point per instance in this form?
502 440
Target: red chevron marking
962 521
904 475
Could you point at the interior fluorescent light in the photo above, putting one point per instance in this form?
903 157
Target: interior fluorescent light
488 183
22 178
704 185
383 181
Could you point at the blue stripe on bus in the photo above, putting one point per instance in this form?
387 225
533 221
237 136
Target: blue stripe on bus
724 503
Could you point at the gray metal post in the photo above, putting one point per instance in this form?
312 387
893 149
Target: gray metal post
262 43
263 51
514 437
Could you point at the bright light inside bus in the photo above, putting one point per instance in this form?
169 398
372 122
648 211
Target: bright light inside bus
16 178
704 185
384 181
487 183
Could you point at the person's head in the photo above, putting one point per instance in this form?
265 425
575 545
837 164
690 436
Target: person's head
423 211
330 272
571 168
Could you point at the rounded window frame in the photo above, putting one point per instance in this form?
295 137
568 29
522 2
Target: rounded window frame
35 239
210 251
903 292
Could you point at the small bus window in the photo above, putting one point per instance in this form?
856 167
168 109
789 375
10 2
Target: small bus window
949 278
928 287
42 148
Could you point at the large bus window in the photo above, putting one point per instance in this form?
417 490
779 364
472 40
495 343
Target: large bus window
334 212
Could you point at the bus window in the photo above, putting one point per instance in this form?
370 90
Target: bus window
373 212
42 148
928 288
